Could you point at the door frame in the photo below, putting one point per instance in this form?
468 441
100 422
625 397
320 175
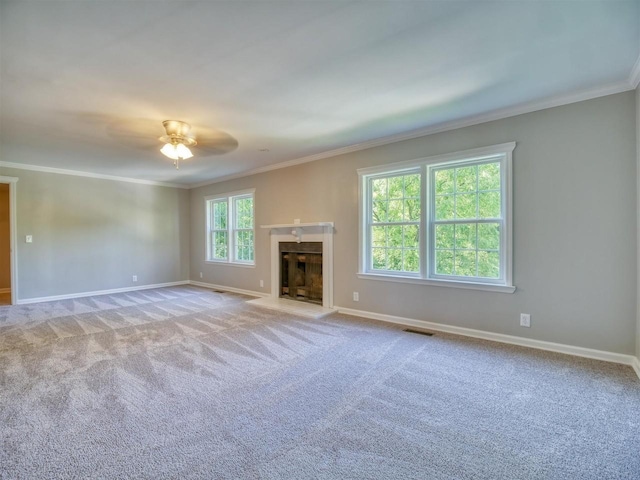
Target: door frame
13 235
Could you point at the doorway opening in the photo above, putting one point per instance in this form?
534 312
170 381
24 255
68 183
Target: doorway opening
7 241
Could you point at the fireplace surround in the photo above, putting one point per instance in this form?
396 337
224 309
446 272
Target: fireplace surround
320 233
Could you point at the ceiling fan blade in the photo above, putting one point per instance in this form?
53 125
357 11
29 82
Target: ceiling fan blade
142 133
145 133
212 142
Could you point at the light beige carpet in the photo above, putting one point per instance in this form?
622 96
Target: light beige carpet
187 383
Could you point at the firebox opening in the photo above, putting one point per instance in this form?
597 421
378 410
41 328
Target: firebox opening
301 271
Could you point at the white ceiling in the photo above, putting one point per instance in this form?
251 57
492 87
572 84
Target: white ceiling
299 78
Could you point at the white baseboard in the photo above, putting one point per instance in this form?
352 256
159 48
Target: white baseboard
5 290
224 288
24 301
498 337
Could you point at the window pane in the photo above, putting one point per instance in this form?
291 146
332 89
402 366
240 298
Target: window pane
394 236
379 189
412 186
412 210
466 205
394 259
244 213
411 236
445 207
466 179
444 262
244 245
465 263
444 181
444 236
220 215
489 205
396 187
220 245
489 236
378 236
379 258
489 176
488 264
395 211
466 236
379 212
411 260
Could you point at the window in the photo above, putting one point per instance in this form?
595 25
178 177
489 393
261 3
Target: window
230 234
395 223
442 220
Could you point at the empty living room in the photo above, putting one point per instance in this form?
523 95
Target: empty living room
324 239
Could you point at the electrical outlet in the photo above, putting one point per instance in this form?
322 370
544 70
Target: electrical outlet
356 297
200 274
525 320
29 239
135 278
262 283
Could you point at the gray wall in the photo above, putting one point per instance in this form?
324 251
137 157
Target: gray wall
92 234
5 244
574 226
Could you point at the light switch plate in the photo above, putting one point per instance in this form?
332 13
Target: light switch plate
29 238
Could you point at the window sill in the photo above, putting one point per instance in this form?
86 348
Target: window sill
439 283
231 264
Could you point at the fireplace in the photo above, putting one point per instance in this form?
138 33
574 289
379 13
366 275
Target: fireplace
308 248
301 271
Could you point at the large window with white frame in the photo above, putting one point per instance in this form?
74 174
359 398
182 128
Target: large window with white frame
230 228
443 220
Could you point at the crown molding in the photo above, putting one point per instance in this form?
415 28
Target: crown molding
556 101
77 173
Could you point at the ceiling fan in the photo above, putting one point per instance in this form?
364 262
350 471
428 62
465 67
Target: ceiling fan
177 141
181 140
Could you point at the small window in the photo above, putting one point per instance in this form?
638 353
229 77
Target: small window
441 220
230 228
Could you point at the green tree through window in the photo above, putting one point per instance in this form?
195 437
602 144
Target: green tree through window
394 228
467 220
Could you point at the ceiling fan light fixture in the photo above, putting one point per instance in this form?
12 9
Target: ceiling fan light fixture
178 151
177 141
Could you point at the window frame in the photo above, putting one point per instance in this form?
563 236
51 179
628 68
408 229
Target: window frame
230 198
369 224
426 166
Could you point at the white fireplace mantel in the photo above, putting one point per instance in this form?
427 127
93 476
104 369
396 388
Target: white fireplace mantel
303 232
298 229
298 225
